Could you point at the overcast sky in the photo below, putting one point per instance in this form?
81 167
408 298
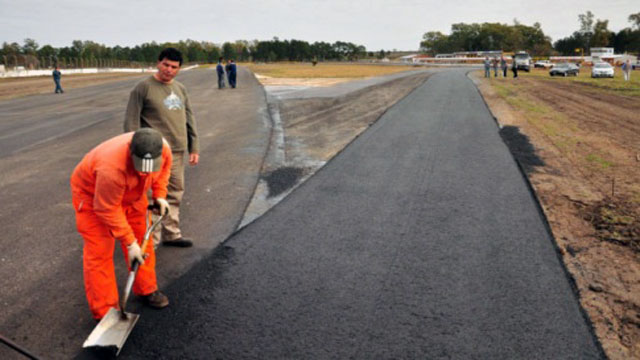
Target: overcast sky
375 24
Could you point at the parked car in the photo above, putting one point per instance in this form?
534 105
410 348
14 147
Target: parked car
636 65
544 64
564 69
602 69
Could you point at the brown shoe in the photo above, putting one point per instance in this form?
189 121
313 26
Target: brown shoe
156 300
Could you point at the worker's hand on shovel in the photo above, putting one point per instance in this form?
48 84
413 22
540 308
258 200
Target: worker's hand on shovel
135 253
162 205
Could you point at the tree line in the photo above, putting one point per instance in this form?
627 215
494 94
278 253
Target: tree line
510 38
596 34
193 51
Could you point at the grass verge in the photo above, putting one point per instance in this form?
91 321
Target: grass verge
616 85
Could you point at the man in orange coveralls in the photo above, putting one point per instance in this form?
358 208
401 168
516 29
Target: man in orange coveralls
109 191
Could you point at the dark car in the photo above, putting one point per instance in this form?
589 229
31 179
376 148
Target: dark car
564 69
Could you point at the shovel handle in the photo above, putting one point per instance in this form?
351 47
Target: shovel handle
135 265
150 229
147 235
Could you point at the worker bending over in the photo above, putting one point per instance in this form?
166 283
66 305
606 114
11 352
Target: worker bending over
109 191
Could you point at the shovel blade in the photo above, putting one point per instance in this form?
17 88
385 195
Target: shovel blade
112 331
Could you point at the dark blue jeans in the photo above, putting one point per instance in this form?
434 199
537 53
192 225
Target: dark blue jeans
58 87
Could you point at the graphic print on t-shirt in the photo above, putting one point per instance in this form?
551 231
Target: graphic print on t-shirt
173 102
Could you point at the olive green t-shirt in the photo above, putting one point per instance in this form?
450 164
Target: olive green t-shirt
166 108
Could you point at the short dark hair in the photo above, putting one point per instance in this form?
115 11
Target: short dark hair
172 54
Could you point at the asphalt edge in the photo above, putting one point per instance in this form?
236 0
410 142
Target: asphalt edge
534 196
266 115
301 183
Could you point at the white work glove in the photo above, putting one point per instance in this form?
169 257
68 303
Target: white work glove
163 205
135 253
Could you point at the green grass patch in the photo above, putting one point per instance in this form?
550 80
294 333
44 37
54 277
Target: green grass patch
598 161
503 90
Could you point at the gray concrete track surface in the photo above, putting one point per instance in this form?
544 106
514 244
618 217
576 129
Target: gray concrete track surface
43 137
420 240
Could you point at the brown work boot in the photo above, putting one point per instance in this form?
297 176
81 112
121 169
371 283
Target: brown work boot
156 300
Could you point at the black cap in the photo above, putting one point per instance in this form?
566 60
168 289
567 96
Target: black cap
146 150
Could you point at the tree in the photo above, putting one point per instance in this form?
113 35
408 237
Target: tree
433 42
46 51
77 47
30 47
212 51
229 51
488 36
241 48
10 49
601 34
322 51
635 20
568 45
586 22
464 37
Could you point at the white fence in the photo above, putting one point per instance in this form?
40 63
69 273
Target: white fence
20 71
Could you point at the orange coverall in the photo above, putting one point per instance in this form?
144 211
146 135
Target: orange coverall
110 201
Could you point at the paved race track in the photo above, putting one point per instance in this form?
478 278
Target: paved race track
420 240
43 137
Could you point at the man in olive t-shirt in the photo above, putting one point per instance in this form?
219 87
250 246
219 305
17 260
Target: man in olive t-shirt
162 103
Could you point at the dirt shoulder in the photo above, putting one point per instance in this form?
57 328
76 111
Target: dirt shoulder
16 87
308 132
579 148
318 128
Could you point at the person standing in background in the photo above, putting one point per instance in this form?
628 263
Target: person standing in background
220 72
503 65
56 79
487 67
162 103
626 70
232 74
514 67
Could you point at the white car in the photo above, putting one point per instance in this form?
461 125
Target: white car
602 69
545 64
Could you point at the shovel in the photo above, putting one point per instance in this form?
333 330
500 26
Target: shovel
114 328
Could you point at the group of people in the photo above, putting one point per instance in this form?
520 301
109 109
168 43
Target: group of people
112 185
502 63
230 69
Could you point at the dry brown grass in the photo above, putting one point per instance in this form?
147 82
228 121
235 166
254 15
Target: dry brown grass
322 70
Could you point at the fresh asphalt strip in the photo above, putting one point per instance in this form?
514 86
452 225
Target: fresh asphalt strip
418 240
